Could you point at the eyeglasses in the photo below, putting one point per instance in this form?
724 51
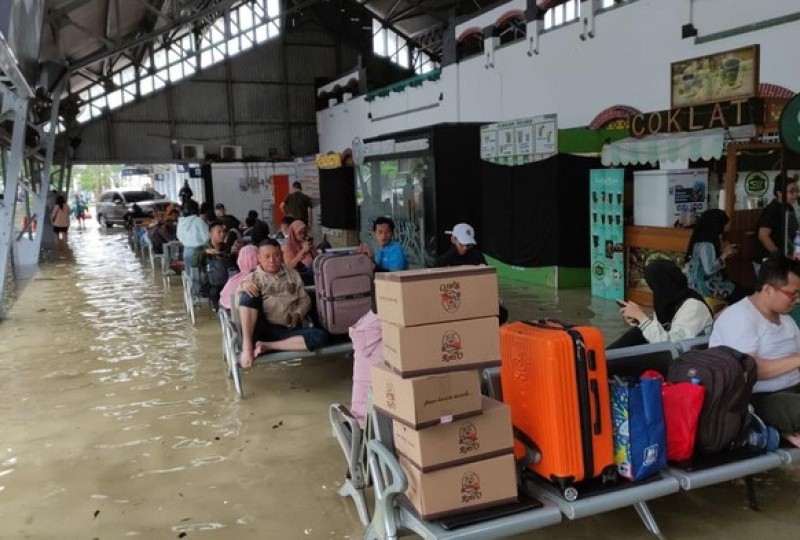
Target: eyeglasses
792 295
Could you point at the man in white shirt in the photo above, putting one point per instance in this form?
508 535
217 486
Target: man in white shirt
760 325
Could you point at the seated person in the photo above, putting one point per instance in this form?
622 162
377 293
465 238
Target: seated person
283 233
247 262
760 325
465 250
214 261
299 252
272 305
249 222
680 312
706 257
221 214
192 232
389 255
259 233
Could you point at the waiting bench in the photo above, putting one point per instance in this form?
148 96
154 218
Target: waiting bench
393 514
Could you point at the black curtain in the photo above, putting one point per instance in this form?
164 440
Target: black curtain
537 214
337 193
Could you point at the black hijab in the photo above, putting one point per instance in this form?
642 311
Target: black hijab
670 289
708 228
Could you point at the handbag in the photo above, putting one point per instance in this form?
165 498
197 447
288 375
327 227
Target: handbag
683 402
637 415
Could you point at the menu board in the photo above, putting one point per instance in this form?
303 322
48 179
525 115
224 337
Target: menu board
606 229
517 142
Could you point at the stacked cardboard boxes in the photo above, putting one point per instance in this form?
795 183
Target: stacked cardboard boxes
439 327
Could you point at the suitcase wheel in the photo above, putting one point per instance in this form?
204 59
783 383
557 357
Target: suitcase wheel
570 494
610 475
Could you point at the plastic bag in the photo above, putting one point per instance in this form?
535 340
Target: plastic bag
682 405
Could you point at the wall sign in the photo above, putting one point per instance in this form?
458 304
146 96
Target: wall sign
716 77
736 112
517 142
755 184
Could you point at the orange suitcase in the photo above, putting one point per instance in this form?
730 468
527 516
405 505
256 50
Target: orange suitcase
554 379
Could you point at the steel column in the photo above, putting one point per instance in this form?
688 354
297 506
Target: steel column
17 108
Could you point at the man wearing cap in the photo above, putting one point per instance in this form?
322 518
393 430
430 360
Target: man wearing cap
464 249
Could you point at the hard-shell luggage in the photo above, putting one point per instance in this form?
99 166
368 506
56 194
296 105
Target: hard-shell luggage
554 379
344 286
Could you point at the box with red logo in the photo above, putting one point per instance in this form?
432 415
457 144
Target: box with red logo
434 348
427 400
433 295
463 488
461 441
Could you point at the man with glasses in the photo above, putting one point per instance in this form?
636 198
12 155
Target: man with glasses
760 325
777 224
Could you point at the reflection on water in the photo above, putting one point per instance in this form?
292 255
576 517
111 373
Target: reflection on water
117 420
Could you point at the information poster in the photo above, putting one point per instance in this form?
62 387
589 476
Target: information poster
522 141
606 230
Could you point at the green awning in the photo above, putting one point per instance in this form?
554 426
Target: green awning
695 145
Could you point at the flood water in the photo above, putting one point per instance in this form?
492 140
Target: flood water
117 420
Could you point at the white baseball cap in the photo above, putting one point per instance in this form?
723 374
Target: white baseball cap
464 233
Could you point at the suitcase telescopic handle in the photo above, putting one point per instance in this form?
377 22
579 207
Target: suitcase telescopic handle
550 323
597 426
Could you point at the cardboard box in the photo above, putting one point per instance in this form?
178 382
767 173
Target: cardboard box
461 441
463 488
433 295
429 400
435 348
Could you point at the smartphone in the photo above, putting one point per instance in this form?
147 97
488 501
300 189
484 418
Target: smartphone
620 303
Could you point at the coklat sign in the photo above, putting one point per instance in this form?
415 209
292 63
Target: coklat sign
723 114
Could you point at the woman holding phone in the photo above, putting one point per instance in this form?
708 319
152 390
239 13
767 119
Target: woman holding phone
299 251
679 312
707 257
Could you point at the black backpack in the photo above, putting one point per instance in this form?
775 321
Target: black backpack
728 377
217 270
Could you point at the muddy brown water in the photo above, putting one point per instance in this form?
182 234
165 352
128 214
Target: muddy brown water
117 420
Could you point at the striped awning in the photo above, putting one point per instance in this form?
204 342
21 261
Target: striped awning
695 145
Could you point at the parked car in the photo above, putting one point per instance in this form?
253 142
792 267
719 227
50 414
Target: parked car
114 205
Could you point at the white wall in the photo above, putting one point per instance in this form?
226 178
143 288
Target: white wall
258 195
627 62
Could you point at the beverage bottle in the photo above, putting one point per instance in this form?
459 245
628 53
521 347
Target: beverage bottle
796 253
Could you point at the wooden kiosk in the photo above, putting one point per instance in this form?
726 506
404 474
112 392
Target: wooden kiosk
760 116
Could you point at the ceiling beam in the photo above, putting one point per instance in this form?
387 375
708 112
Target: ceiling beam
57 14
176 24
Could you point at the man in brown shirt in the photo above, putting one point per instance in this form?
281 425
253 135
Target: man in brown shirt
272 305
298 205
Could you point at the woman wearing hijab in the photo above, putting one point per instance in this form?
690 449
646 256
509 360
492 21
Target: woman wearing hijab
679 312
298 253
247 262
706 258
